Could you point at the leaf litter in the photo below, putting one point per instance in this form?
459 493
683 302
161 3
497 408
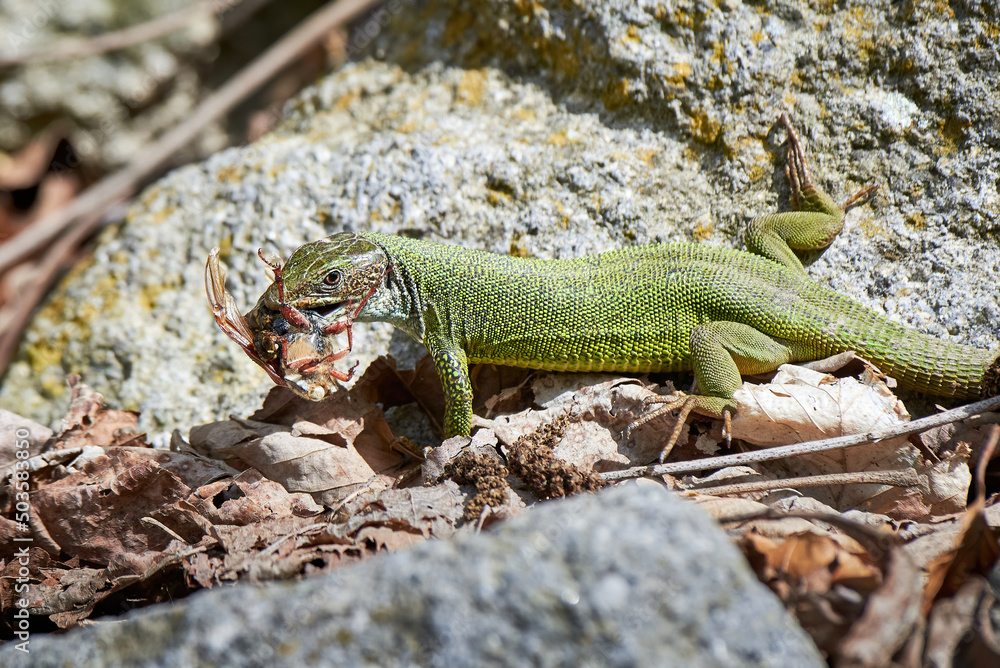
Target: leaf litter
900 571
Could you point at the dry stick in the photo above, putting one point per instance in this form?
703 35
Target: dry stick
45 274
923 424
120 39
114 188
901 478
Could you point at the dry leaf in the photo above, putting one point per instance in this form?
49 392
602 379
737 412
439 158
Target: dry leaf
96 514
808 405
890 616
20 435
600 407
88 422
975 551
801 405
817 578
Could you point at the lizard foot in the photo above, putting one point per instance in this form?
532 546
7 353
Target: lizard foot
710 406
670 402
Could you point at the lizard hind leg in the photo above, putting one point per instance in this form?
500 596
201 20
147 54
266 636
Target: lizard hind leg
687 403
721 351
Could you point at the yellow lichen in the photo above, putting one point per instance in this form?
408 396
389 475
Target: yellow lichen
616 95
703 230
230 174
647 155
527 7
346 100
682 70
558 139
871 227
916 220
497 197
705 127
756 172
563 215
45 353
471 87
524 114
952 132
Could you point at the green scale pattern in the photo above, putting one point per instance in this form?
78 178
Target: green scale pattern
634 309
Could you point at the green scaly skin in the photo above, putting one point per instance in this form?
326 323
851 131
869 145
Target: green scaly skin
660 307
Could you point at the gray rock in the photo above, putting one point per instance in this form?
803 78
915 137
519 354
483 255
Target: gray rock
549 131
111 105
630 577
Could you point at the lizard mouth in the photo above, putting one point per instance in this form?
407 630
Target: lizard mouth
332 309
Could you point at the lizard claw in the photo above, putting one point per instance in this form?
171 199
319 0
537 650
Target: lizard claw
670 402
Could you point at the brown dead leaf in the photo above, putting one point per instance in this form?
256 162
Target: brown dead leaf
814 562
96 514
88 422
977 548
329 449
384 539
890 616
600 407
20 435
423 511
951 621
975 552
250 498
802 405
327 472
816 577
942 490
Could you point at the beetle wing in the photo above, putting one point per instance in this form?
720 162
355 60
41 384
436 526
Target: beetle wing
227 314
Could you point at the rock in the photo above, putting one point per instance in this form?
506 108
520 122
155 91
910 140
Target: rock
631 576
111 105
553 131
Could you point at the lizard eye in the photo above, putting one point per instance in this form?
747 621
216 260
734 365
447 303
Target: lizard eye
333 278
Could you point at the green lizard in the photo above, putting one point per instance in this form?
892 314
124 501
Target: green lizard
649 308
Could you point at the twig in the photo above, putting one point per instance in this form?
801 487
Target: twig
875 540
45 273
149 521
273 547
116 187
70 49
954 415
984 460
900 478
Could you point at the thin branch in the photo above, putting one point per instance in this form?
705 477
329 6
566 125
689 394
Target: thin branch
900 478
116 187
45 273
873 539
71 49
923 424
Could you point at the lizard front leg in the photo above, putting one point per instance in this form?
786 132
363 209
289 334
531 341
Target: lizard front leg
453 369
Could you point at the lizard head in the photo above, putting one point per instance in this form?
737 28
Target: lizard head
332 279
295 331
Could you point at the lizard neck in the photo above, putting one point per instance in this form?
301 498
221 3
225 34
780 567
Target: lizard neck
396 301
